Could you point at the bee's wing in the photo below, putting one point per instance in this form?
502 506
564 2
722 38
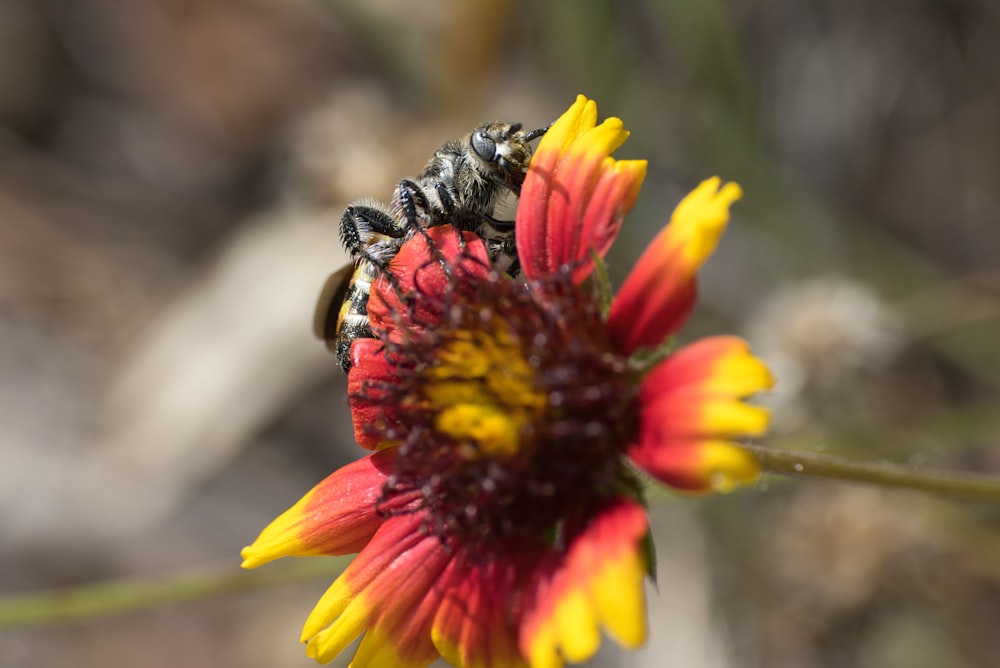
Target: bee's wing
331 297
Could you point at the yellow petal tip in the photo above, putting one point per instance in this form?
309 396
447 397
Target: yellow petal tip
251 558
729 466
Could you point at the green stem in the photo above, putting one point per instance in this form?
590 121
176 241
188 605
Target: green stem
120 596
969 485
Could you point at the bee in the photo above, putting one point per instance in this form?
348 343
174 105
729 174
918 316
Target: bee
373 236
461 186
465 180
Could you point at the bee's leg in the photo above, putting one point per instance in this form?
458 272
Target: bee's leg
412 202
444 196
365 230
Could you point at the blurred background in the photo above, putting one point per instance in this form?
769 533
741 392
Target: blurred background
171 177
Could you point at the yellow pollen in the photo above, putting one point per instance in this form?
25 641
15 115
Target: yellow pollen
482 390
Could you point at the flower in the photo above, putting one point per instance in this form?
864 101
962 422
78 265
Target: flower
499 520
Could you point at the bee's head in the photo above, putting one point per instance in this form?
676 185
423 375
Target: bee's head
504 149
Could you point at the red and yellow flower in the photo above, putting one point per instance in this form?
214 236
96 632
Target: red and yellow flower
499 520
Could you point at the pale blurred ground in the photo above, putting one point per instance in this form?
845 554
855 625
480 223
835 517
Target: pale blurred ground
171 176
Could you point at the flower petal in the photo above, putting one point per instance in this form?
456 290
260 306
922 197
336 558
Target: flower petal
691 406
699 466
337 516
401 637
575 196
476 624
369 382
383 594
598 584
659 293
578 119
426 267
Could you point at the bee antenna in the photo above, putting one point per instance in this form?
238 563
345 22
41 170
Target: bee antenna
535 134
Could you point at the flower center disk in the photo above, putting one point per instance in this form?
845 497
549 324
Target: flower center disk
513 410
482 390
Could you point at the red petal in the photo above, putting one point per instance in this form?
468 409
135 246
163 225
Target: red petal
598 584
369 383
428 266
574 195
658 294
690 410
698 465
532 228
478 620
388 593
337 516
653 303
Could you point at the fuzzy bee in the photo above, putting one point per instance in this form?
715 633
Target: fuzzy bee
460 186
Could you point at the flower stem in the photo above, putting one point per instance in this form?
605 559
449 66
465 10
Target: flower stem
120 596
950 483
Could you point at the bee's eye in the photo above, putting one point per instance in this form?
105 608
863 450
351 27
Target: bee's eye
484 147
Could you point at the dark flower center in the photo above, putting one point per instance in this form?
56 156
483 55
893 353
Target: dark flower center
513 411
